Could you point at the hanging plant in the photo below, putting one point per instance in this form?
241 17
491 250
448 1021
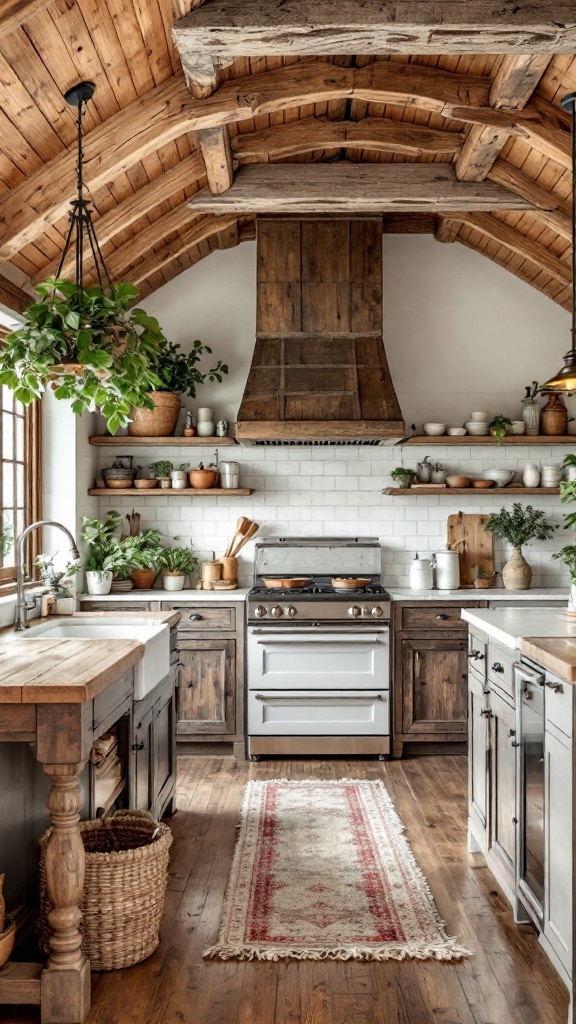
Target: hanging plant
89 345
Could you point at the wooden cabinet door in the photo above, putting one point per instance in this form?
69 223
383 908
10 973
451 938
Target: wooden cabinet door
434 686
142 746
164 750
206 688
558 846
502 826
478 751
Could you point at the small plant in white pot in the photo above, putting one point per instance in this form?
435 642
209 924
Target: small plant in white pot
518 528
177 564
102 551
162 470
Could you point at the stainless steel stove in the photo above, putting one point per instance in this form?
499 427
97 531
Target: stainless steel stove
318 657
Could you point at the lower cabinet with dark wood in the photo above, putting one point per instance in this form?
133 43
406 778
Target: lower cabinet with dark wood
430 677
210 685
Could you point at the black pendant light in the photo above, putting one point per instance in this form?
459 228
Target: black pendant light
565 380
81 227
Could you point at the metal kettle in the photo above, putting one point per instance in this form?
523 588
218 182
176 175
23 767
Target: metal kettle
421 574
447 566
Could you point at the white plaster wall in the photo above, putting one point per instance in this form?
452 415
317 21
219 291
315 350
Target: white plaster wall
460 334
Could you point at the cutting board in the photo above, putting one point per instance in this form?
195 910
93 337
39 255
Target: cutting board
474 544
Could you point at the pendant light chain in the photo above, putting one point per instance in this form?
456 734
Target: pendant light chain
80 217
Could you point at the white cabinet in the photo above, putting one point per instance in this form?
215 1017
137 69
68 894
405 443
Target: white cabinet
502 798
558 844
478 753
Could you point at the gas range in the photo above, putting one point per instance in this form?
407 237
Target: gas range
318 601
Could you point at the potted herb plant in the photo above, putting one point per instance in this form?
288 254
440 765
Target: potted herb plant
517 528
499 427
176 565
102 546
178 374
145 554
59 582
403 477
162 469
89 345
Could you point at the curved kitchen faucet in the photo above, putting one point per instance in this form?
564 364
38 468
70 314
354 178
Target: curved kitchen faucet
21 621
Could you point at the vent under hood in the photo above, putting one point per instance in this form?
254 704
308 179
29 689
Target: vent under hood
319 373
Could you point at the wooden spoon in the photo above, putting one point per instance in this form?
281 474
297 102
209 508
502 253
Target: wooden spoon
241 522
240 533
254 527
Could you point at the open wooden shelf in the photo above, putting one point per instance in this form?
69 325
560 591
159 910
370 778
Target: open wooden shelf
481 492
169 442
422 439
170 492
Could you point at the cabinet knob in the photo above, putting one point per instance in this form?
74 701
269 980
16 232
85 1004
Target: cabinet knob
196 617
497 667
476 656
138 746
442 617
486 713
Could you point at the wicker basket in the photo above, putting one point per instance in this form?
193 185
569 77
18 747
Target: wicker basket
125 883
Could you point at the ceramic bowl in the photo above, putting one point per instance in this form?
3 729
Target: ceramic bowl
456 431
477 429
480 417
435 429
146 485
518 427
501 477
458 481
203 478
119 483
483 484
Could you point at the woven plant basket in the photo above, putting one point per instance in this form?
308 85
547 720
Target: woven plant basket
158 422
124 888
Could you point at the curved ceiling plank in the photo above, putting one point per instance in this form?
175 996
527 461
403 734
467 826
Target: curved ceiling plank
169 111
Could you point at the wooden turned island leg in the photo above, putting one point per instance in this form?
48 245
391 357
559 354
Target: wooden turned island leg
65 983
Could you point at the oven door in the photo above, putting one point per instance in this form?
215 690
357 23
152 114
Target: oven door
303 713
318 659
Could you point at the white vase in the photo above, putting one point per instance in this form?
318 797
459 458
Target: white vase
173 581
99 582
204 415
531 475
205 428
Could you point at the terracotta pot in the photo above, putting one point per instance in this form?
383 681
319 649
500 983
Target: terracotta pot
554 417
158 422
143 579
203 478
517 574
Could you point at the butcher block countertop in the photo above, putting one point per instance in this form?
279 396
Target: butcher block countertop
558 654
67 670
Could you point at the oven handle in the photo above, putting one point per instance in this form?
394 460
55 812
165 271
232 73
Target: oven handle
335 638
528 675
319 630
320 696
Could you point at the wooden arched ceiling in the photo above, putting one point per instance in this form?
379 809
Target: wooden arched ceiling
155 140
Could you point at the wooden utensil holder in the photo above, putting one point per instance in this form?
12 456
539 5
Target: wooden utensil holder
229 568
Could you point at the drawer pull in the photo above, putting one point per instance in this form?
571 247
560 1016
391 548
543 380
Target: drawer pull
476 656
497 667
557 687
485 713
138 746
442 617
195 617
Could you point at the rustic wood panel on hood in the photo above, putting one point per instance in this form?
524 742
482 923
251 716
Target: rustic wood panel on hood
319 354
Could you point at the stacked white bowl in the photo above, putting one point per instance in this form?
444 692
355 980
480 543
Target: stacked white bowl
479 424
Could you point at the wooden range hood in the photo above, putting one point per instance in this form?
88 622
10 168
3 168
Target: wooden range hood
319 374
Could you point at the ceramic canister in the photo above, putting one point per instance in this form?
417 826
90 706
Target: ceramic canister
531 475
447 569
550 476
421 574
205 415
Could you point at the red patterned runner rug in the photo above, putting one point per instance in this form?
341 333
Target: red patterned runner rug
322 870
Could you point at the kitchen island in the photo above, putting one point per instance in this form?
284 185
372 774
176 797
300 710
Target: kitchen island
521 759
59 695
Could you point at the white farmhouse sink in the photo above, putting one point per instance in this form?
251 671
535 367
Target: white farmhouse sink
155 636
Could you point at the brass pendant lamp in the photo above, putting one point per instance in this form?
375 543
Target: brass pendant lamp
565 379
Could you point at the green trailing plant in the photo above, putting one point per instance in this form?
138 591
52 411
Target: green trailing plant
102 544
144 551
161 468
55 580
498 427
179 560
402 476
90 345
178 371
521 525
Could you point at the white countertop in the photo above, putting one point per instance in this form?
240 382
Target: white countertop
187 596
508 626
488 594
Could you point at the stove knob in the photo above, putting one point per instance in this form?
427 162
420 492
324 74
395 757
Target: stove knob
260 611
354 611
291 611
377 611
276 611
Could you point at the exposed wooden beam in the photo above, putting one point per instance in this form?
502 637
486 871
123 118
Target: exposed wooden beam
551 134
174 180
180 217
354 188
12 297
512 87
554 211
408 223
378 134
169 111
204 228
514 240
219 32
14 13
215 145
445 229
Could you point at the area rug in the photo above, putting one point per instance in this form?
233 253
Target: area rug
322 870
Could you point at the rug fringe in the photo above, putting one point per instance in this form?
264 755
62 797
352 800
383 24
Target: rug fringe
448 949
